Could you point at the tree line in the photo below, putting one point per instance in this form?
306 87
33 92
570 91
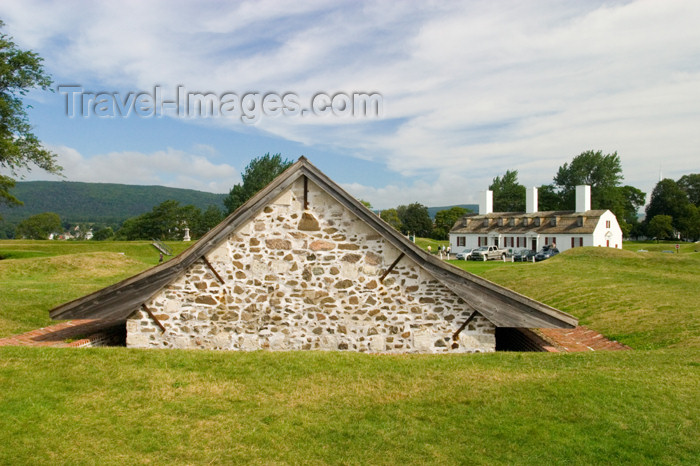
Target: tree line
673 211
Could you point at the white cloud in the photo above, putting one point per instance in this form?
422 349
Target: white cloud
168 167
471 89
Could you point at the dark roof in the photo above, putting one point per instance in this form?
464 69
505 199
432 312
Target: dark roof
567 222
503 307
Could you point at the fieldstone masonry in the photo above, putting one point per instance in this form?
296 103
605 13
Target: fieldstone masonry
294 279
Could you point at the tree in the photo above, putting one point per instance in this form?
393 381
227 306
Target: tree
20 71
258 174
548 199
688 223
508 194
39 226
445 220
415 219
660 227
691 185
671 198
210 218
603 173
167 221
391 216
667 199
103 234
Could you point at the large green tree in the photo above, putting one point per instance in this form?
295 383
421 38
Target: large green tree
20 71
258 174
210 218
691 185
667 199
415 219
39 226
508 194
603 173
670 199
391 216
660 227
445 220
548 199
167 221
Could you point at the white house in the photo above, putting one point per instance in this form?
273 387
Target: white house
532 229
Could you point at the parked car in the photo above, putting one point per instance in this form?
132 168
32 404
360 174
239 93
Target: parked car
523 255
485 253
545 253
464 255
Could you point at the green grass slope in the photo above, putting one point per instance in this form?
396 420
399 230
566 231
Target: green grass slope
643 299
39 275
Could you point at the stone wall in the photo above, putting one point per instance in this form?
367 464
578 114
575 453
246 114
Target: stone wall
308 280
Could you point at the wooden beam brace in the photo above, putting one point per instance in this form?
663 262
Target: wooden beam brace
463 326
391 267
148 311
213 270
306 193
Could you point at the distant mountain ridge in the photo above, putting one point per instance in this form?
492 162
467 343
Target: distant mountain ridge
108 203
434 210
101 203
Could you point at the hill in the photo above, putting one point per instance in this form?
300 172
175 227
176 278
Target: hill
103 203
434 210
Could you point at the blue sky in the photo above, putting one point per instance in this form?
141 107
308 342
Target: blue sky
469 89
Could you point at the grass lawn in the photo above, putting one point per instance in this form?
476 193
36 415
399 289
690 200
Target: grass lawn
119 406
39 275
423 243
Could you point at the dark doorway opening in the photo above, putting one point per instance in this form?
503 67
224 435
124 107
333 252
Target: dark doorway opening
519 339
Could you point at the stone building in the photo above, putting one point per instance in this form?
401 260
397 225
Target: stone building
305 266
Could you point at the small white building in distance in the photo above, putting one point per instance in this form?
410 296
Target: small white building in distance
533 229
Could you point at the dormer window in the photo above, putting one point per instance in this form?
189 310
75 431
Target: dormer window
511 222
524 221
486 222
580 220
500 222
553 221
537 221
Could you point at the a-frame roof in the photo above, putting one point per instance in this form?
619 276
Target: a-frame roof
503 307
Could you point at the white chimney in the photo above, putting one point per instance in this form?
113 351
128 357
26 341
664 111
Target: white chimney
583 198
531 200
485 202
